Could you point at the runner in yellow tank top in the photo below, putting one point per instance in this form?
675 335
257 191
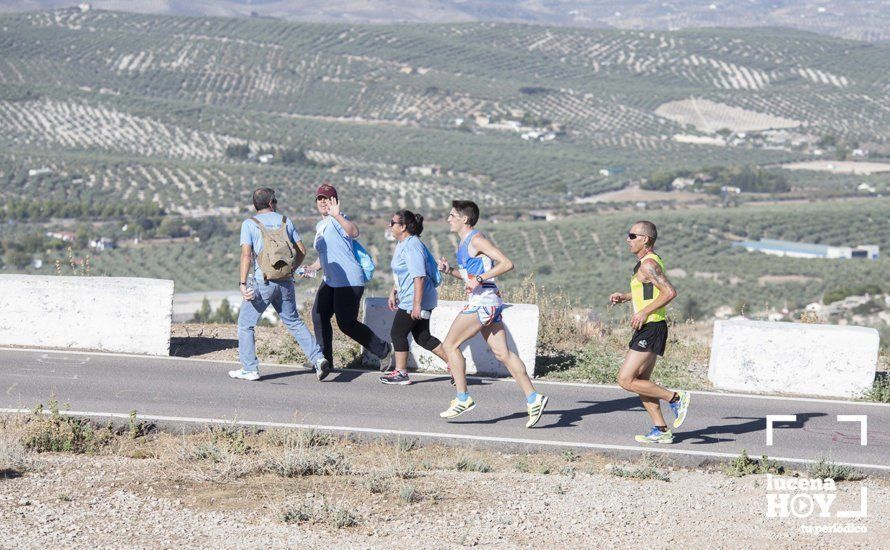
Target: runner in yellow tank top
643 294
650 292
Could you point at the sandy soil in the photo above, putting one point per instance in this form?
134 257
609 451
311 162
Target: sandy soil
710 116
781 279
177 500
635 194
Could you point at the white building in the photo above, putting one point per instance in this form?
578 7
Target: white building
866 251
428 170
865 188
682 183
545 215
808 250
102 244
64 236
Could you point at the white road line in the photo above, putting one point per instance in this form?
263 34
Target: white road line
437 435
443 373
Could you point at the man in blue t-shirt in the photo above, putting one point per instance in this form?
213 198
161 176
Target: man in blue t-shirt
259 293
340 292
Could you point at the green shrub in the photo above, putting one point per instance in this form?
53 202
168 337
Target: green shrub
466 465
318 512
408 494
744 465
646 469
825 469
300 462
880 390
63 434
645 472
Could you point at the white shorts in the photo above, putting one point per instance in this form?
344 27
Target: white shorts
487 315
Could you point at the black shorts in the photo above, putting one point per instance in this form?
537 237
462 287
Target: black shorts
651 337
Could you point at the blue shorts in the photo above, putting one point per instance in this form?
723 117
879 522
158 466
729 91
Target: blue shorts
486 314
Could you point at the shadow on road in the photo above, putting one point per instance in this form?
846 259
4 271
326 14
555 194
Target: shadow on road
346 375
199 345
570 417
758 424
446 378
426 380
285 374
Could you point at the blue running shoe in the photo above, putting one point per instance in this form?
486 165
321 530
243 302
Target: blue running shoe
679 408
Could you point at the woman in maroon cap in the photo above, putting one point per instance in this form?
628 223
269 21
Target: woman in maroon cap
340 293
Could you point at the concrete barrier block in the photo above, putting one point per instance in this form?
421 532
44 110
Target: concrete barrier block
798 358
122 314
520 320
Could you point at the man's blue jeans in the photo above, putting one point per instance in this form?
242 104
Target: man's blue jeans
281 295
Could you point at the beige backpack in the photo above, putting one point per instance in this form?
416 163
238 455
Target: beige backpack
276 259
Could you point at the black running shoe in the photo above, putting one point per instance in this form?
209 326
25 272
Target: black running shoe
396 378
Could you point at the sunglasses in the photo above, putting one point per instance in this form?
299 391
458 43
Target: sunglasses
633 236
393 222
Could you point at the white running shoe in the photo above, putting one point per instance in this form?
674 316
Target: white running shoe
535 410
242 374
457 408
385 360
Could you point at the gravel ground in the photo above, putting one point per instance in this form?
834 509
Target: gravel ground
114 502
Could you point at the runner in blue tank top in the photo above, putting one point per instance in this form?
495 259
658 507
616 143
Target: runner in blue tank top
479 262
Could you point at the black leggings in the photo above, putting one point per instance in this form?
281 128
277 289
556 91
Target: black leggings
342 302
419 329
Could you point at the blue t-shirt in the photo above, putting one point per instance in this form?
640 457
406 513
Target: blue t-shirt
335 253
408 262
250 234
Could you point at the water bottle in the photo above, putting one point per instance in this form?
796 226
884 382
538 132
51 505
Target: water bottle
425 313
251 288
303 272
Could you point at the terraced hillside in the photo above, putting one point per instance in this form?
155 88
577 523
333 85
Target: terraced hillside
123 107
866 20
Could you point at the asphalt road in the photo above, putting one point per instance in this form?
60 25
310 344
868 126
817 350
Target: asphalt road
601 418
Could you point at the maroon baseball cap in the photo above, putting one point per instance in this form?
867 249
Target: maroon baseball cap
326 190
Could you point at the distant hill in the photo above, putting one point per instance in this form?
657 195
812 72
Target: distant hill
107 107
859 20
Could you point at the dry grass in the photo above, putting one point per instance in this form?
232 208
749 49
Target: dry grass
15 458
229 468
297 478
